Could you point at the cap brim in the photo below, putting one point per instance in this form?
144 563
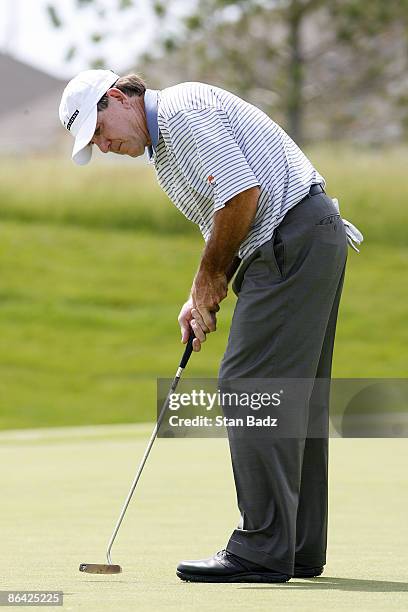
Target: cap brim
82 151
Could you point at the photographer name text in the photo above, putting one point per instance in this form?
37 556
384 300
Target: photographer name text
222 421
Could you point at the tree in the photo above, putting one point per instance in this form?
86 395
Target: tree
241 42
337 66
95 24
322 68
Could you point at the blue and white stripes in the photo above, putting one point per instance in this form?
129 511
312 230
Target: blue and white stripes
213 145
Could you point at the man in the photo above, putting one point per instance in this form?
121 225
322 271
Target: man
261 206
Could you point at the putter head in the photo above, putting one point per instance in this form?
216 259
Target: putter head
100 568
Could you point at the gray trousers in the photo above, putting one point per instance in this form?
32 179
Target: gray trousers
284 327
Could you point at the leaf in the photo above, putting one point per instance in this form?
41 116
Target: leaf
145 58
169 45
193 22
159 9
98 62
70 54
125 4
53 16
96 37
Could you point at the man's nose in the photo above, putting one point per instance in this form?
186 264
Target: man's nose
103 144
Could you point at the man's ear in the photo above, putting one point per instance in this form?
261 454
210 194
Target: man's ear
114 92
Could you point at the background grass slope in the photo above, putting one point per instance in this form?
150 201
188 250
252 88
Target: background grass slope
96 262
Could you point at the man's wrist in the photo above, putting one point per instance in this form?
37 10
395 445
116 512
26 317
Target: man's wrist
212 267
213 270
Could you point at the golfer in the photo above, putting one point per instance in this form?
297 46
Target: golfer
264 214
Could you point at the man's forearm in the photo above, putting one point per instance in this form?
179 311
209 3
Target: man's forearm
231 225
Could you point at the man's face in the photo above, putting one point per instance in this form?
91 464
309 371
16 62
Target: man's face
121 127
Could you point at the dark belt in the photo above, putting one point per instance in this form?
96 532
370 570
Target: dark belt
315 189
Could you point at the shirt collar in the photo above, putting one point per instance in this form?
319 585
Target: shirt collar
151 100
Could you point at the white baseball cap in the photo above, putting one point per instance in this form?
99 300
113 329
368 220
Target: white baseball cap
78 112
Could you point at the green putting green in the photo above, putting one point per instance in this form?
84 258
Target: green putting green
62 490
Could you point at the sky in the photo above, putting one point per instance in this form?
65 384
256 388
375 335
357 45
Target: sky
26 33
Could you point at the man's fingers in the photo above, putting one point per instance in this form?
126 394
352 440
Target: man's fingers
185 329
196 327
208 318
199 319
184 319
185 334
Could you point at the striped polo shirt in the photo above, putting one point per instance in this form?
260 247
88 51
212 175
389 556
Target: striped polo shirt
208 145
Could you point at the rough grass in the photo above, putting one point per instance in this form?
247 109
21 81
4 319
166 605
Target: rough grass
98 196
371 187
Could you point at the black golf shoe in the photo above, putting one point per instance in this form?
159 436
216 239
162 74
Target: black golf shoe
302 571
226 567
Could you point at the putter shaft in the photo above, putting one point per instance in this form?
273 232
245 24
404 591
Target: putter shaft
183 363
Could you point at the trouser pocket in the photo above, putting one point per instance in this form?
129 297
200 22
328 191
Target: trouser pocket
328 219
278 249
244 265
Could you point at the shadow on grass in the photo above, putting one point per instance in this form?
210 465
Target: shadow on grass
340 584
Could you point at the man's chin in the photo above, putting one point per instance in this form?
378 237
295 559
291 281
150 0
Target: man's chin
134 153
129 153
119 152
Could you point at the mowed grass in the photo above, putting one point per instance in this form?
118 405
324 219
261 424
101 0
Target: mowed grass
61 504
90 293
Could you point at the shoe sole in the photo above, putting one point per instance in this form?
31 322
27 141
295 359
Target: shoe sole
248 577
308 573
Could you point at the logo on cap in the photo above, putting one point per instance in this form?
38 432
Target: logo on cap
73 117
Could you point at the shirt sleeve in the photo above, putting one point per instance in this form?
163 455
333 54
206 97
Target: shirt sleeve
206 151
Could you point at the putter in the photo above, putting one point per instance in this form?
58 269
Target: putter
109 567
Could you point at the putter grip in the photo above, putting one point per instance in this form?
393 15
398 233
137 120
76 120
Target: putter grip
188 350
